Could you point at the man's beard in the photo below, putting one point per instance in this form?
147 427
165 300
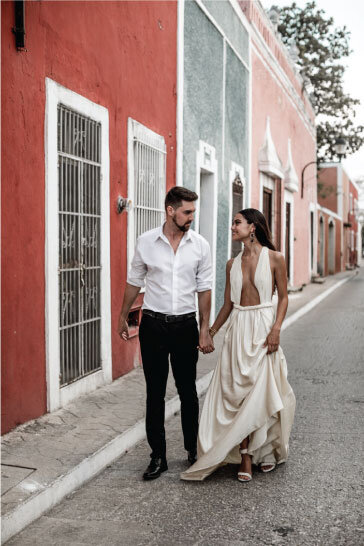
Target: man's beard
185 227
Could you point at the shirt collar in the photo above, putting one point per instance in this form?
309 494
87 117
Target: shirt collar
160 235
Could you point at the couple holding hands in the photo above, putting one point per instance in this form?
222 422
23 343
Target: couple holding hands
249 406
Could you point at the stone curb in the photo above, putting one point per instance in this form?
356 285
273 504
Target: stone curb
37 505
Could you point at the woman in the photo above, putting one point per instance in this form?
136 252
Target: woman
249 407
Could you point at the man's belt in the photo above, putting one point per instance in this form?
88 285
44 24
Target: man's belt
168 318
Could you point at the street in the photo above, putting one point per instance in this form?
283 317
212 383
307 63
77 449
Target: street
316 498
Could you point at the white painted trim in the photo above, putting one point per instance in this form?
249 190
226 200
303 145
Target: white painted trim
214 22
243 19
313 271
34 507
329 212
250 125
290 174
288 198
146 135
235 168
223 112
268 159
211 167
56 396
267 181
321 216
180 89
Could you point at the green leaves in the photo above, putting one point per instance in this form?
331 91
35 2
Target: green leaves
322 48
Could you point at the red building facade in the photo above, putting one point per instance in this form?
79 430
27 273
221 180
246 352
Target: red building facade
80 128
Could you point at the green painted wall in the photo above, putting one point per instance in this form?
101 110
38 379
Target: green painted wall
206 101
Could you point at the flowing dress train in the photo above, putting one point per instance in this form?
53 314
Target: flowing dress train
249 394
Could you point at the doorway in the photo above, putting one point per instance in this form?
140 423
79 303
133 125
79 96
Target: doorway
331 247
320 267
288 240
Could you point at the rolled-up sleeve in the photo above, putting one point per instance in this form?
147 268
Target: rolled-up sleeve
204 270
138 268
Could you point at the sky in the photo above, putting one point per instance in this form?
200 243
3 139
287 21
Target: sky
351 14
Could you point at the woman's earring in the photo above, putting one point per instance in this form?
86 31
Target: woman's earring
252 236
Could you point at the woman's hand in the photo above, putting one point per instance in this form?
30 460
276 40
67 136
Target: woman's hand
272 341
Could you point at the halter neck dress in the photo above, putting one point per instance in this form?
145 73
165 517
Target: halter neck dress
249 394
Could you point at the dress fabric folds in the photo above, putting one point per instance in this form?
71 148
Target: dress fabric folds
249 394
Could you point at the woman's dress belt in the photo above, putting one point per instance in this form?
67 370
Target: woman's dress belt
252 307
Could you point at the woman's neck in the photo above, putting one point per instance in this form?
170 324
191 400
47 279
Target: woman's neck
251 248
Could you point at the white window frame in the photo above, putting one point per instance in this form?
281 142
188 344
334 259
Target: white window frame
267 181
60 396
206 162
323 242
331 221
143 134
313 271
234 170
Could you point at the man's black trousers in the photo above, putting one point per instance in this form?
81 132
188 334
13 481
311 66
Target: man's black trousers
160 340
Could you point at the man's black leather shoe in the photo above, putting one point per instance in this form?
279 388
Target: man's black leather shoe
155 468
192 457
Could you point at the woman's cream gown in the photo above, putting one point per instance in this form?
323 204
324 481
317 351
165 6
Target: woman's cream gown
249 394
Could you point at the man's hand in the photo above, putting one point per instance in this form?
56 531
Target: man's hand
272 341
206 344
123 328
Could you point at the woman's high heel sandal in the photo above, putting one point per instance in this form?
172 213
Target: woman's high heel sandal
267 467
244 476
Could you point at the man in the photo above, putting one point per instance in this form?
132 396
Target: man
176 263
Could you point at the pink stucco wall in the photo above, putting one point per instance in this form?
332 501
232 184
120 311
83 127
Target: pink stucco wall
277 93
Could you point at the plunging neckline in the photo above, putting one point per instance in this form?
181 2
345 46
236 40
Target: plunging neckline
255 272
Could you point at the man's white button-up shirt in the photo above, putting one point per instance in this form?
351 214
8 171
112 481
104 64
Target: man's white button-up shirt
171 279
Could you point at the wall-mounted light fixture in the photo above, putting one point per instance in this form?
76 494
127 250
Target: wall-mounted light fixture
123 203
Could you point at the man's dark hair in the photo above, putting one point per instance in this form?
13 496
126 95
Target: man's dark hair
177 194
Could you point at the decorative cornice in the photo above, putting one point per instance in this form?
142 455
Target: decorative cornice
268 159
290 175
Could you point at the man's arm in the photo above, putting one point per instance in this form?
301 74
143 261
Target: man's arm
206 344
203 284
134 283
130 296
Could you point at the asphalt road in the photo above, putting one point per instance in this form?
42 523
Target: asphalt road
316 498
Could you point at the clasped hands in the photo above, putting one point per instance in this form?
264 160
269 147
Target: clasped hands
205 345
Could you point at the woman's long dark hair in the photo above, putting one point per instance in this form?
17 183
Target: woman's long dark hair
262 231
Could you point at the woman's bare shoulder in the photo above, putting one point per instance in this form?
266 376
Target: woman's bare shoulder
276 257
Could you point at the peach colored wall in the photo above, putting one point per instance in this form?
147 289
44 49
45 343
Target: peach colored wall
277 93
269 99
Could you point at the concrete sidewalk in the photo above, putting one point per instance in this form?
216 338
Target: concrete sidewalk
46 459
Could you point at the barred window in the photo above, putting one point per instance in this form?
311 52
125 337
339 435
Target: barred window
79 172
147 181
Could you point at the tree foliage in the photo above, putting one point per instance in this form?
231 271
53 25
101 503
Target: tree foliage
321 48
